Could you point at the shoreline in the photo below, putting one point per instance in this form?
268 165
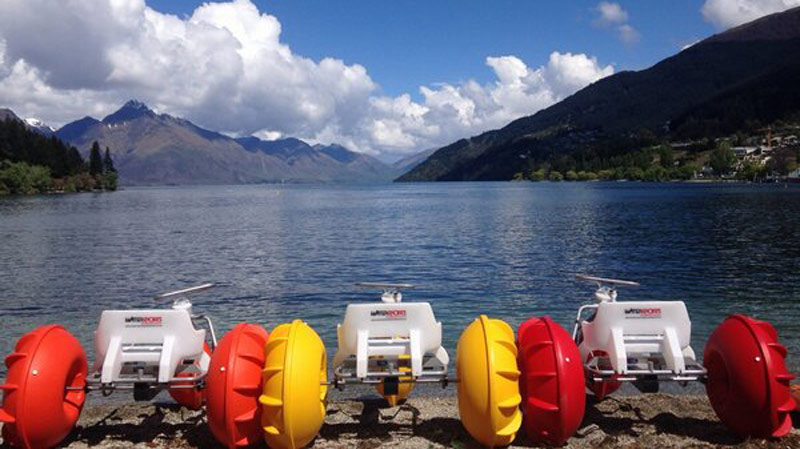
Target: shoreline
639 421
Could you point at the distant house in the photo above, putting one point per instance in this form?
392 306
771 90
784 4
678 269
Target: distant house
741 152
705 172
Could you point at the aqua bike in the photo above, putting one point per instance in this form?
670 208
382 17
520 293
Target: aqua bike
273 386
143 351
648 342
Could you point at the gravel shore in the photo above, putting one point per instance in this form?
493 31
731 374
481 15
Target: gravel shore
652 421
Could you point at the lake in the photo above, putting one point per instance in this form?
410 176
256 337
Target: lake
510 250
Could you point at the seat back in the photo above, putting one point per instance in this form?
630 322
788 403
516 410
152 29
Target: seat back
390 321
641 318
160 336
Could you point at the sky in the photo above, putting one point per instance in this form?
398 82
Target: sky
387 78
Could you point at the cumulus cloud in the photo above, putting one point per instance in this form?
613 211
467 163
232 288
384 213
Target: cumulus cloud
729 13
226 68
613 16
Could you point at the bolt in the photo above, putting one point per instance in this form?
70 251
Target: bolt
35 372
758 359
567 359
222 368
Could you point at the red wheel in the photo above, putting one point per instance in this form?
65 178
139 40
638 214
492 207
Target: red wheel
233 385
38 411
601 389
551 383
191 398
748 383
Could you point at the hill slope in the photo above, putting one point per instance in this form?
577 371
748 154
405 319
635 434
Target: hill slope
742 75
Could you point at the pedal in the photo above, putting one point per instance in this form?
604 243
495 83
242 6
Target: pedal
143 392
647 384
391 386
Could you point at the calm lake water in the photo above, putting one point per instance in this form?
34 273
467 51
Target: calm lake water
509 250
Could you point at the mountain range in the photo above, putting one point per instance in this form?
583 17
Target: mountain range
152 149
741 79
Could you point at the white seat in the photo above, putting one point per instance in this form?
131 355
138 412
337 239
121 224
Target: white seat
630 328
389 330
153 337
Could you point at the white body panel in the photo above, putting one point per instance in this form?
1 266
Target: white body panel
161 338
631 329
389 331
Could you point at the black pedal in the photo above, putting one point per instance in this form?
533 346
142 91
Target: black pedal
143 392
391 386
647 384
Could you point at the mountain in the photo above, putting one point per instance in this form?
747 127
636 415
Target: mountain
409 162
7 114
39 126
151 149
742 78
332 163
73 131
30 123
21 142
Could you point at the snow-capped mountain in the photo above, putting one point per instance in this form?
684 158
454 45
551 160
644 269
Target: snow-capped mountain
40 126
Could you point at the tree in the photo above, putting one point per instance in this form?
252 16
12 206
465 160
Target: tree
21 178
110 176
606 175
722 158
108 163
783 161
556 176
538 175
666 156
95 162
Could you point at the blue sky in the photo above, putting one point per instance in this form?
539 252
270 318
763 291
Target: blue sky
388 78
405 44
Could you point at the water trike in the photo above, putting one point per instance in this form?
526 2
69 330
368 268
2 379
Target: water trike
648 342
144 351
391 345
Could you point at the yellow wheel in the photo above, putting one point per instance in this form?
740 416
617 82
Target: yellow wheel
488 389
294 392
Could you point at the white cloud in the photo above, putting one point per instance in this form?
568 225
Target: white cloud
729 13
628 34
611 13
613 16
225 67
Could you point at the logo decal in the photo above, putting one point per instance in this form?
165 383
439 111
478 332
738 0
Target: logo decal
635 313
387 315
143 321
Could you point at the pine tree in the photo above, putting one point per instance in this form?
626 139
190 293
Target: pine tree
110 176
95 162
108 163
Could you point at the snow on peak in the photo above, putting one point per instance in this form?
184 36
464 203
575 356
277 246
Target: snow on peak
36 123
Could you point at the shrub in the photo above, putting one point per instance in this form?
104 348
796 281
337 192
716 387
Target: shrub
538 175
